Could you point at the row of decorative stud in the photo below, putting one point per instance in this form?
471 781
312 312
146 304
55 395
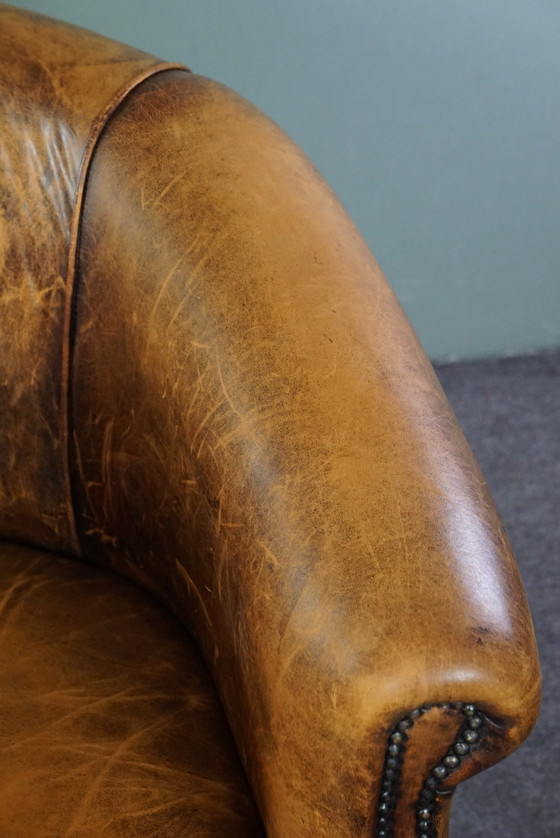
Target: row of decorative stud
467 740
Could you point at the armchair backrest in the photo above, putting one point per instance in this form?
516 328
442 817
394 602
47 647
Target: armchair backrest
58 86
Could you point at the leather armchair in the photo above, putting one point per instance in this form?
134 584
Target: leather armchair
209 392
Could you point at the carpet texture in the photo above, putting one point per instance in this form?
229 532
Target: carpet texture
510 412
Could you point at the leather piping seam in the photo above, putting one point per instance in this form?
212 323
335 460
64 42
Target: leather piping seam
465 743
97 128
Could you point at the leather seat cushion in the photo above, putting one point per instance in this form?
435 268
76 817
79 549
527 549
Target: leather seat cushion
109 724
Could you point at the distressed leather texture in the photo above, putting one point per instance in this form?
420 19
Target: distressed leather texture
221 399
57 85
110 725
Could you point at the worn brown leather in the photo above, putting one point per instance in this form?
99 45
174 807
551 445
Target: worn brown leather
307 502
58 84
109 724
258 438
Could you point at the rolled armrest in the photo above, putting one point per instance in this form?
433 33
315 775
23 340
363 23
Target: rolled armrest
260 439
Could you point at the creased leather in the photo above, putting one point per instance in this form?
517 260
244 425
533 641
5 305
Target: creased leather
109 724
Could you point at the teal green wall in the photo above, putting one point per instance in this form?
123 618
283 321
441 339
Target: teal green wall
437 122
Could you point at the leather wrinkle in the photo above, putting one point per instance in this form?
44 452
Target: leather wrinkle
110 723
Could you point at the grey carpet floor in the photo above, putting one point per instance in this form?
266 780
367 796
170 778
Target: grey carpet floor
510 412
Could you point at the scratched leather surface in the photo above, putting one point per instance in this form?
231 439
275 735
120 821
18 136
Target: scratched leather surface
261 440
109 725
256 434
55 80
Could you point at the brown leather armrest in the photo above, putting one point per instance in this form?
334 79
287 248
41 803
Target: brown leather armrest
260 438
